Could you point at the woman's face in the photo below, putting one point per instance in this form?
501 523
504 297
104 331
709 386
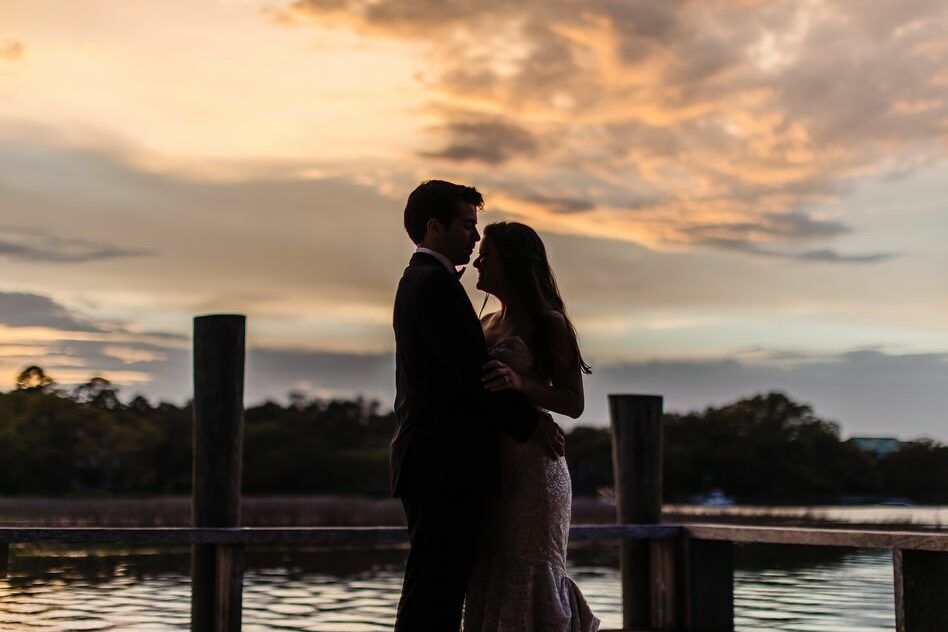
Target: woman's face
490 268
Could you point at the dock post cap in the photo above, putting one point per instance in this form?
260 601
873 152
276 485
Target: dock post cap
204 317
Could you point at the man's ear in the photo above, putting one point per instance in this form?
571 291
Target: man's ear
434 225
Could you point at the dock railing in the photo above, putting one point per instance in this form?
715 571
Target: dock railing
674 576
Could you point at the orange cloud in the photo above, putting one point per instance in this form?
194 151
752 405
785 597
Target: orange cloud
721 111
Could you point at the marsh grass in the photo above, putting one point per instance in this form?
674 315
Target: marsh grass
325 510
175 511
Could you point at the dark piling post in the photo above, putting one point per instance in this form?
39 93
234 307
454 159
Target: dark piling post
637 465
217 570
678 584
707 586
921 585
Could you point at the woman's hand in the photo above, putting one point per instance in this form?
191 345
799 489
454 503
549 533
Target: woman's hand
500 377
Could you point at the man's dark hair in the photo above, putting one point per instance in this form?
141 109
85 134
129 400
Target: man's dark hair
440 200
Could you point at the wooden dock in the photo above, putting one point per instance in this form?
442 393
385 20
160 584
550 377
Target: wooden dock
675 577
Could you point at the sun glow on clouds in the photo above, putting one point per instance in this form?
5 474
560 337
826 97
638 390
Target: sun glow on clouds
666 116
64 370
129 355
17 335
662 116
21 351
68 376
191 82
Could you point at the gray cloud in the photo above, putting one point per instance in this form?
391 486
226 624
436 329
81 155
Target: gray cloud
831 256
409 18
42 246
560 204
795 226
274 372
487 141
22 309
750 238
824 255
868 392
222 244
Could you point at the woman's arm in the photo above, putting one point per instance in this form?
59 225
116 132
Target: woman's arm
564 393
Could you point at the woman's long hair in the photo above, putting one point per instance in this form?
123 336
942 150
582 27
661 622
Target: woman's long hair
530 276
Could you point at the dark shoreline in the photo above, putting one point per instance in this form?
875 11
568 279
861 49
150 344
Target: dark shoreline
322 510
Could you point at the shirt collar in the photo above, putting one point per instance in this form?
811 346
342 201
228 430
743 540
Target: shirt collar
440 257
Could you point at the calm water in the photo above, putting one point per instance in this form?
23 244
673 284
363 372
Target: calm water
777 588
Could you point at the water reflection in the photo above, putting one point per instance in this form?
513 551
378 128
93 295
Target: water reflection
813 589
776 588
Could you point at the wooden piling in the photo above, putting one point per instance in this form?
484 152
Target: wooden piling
636 422
707 590
217 570
921 588
4 558
228 594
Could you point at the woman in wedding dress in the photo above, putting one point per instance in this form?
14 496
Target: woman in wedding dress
519 583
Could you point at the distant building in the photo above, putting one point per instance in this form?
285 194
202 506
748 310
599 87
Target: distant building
880 446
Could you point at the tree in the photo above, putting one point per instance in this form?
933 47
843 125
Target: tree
297 399
766 448
589 456
33 378
918 470
139 404
98 393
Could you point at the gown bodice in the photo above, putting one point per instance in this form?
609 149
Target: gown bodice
513 352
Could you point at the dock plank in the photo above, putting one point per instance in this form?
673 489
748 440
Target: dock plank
851 538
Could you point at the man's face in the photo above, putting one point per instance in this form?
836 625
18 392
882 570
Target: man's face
457 241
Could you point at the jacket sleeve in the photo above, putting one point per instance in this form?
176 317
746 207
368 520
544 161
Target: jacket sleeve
455 342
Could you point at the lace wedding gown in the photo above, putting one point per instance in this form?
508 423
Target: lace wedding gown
519 583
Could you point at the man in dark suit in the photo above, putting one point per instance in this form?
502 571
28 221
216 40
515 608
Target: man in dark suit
445 459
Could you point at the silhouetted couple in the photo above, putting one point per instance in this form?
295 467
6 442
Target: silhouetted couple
476 459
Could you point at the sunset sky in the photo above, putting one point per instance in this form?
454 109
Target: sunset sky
737 195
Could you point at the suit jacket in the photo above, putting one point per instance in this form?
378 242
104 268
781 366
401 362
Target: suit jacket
446 440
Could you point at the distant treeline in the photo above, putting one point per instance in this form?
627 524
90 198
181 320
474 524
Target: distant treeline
766 449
